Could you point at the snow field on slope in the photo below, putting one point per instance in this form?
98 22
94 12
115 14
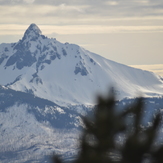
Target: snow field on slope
27 139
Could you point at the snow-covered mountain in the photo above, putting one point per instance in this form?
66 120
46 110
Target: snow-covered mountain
32 128
45 89
67 73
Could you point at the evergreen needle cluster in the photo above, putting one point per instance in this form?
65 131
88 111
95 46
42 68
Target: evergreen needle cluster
99 143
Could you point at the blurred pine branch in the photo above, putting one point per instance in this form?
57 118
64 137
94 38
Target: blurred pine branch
99 144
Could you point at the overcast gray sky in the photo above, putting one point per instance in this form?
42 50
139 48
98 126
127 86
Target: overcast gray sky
126 31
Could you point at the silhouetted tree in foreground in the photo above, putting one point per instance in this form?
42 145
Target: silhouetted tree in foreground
99 141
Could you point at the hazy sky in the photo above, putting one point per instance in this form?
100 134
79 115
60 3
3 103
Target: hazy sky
126 31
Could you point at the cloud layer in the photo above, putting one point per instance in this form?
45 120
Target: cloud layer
92 20
79 16
82 11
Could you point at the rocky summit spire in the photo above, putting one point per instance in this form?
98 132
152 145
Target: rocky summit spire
32 33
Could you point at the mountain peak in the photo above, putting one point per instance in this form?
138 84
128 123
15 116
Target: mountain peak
32 32
35 28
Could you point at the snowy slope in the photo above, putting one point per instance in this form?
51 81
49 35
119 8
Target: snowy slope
67 73
24 139
33 128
